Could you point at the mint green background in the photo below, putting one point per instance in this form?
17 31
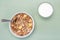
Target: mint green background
45 28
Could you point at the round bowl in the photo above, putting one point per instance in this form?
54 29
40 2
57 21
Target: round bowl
19 35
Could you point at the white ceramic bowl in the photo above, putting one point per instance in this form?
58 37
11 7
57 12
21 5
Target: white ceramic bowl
45 10
24 35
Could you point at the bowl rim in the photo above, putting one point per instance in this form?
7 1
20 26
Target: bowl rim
24 35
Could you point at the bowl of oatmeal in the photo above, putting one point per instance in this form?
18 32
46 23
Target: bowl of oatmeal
21 25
